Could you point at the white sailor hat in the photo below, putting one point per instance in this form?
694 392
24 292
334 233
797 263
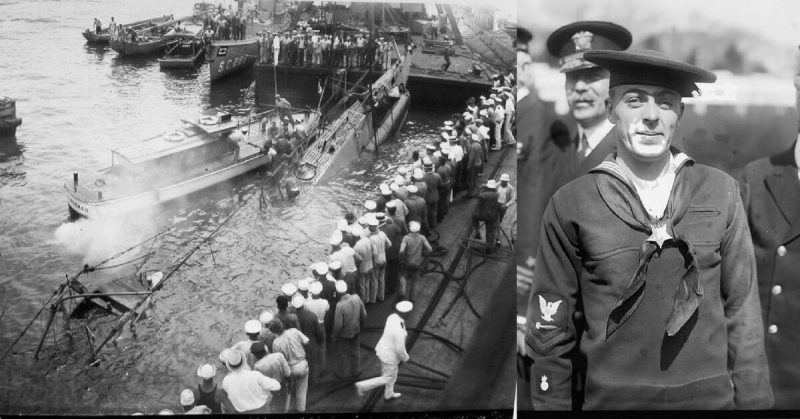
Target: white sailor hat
370 205
430 147
206 371
490 102
449 128
468 117
342 225
187 397
445 151
321 268
418 175
362 221
252 326
483 113
413 189
491 184
302 284
341 286
393 186
402 170
448 123
391 204
466 114
505 177
334 265
315 288
336 238
298 300
404 306
266 317
385 190
399 180
413 226
426 161
234 359
381 217
289 289
357 230
373 221
223 355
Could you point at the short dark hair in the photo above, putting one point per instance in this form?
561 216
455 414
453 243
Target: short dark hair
276 326
282 301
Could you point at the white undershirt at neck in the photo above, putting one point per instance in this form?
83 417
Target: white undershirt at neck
654 194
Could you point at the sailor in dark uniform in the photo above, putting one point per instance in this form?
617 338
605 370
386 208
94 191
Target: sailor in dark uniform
771 196
657 253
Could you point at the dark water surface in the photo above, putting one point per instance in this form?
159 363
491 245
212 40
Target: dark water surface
78 101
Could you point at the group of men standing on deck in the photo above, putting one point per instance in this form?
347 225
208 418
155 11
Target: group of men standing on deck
305 47
221 24
658 283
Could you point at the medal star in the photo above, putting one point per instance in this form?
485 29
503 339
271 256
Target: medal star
659 235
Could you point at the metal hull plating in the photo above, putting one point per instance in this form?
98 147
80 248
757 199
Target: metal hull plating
228 57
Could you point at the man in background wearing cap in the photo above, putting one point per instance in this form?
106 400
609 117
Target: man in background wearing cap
207 393
273 365
474 165
559 158
445 172
321 308
349 318
771 197
253 329
380 245
413 250
433 182
507 195
391 350
247 390
417 209
363 257
395 236
292 344
313 329
488 211
669 293
189 405
396 210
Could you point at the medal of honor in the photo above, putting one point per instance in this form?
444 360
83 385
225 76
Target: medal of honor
659 234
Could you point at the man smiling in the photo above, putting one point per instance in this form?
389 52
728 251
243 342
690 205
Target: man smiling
656 250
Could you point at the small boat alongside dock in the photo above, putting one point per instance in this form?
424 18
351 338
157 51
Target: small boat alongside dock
153 39
105 36
184 55
8 117
201 153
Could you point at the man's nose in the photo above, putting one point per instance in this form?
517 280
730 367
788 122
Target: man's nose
650 112
581 86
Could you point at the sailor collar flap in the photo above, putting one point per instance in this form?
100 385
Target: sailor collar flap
621 198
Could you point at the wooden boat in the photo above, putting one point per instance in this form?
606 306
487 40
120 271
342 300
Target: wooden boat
93 37
228 57
105 36
8 117
151 39
184 55
362 126
199 154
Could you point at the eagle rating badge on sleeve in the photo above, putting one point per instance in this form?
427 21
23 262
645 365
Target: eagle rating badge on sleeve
549 320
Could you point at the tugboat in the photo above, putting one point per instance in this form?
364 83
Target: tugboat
203 152
8 117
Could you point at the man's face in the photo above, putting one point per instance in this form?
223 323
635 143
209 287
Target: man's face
645 118
587 91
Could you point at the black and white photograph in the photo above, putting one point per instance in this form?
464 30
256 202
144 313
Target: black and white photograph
660 199
258 207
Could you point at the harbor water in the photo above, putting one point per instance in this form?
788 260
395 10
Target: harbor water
79 101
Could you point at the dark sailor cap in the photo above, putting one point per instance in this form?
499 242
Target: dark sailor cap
569 42
650 68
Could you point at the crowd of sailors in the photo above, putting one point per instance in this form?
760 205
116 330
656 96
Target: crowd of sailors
307 47
378 254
